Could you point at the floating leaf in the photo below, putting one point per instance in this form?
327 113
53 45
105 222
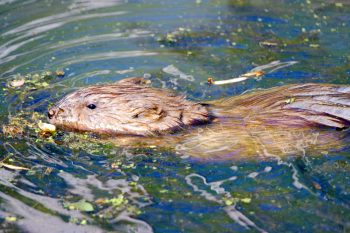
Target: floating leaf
339 4
229 202
246 200
163 191
44 84
10 219
81 205
83 222
117 201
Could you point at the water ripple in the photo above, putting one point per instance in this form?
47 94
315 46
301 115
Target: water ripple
108 55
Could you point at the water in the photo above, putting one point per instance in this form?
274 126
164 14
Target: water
151 189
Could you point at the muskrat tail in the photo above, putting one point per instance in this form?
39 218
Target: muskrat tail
322 104
297 104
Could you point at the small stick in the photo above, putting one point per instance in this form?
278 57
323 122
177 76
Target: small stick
241 78
254 73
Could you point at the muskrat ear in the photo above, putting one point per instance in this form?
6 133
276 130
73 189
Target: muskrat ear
154 112
134 81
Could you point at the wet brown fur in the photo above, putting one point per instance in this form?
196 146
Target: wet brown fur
283 120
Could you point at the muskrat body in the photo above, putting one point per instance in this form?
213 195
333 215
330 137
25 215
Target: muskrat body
281 120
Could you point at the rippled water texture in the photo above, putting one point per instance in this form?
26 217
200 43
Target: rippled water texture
76 183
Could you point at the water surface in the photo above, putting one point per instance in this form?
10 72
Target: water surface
151 189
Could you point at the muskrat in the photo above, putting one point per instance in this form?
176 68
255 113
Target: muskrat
280 120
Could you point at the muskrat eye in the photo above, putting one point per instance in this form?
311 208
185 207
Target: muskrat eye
91 106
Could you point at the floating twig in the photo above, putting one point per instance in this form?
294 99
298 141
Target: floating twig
12 167
241 78
254 73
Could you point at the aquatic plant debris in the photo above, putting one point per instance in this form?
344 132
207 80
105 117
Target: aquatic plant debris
30 82
254 73
81 205
290 100
117 201
45 127
246 200
94 42
60 73
17 83
12 130
267 44
10 219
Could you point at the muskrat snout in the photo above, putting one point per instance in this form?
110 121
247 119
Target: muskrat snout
54 112
51 113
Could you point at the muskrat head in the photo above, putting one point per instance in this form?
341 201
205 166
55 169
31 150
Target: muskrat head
128 107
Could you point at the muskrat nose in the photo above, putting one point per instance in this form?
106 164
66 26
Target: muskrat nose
51 113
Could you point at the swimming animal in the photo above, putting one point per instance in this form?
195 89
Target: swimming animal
286 119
